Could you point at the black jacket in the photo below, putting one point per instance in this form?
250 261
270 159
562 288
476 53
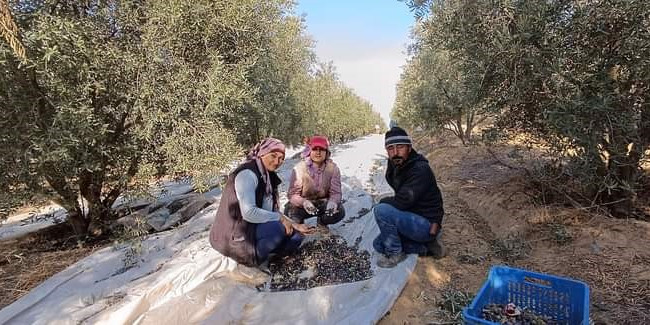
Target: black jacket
415 188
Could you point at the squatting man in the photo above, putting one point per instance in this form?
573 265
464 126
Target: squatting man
410 221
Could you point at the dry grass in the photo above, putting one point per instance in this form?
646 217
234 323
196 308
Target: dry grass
619 296
28 261
19 276
452 302
511 248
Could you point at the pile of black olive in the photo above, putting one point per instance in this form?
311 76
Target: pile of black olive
325 261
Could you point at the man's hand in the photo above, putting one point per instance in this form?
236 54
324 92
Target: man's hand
332 207
303 228
288 225
433 231
309 207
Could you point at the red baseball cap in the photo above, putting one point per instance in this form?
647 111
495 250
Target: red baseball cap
319 141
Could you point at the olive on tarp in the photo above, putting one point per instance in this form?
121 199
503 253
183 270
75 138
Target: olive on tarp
328 260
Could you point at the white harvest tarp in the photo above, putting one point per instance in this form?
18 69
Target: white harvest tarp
180 279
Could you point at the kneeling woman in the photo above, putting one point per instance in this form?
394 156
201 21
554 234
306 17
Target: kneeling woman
315 187
248 227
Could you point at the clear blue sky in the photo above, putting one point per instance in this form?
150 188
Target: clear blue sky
366 40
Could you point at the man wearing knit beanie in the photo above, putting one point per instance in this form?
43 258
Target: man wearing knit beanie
409 221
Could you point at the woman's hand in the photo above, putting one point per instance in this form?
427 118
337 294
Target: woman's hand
309 207
303 228
433 231
288 225
332 207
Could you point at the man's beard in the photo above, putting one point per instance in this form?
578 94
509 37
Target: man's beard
397 160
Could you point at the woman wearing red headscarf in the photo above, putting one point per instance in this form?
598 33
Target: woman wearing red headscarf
315 187
248 227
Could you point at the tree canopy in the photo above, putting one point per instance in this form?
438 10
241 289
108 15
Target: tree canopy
573 73
110 94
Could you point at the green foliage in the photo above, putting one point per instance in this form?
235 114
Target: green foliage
115 94
452 301
572 73
560 233
336 111
444 87
511 248
418 7
433 94
129 237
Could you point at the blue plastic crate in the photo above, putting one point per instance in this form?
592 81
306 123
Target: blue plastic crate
563 300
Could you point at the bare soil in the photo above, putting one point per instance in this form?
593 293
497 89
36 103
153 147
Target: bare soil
488 203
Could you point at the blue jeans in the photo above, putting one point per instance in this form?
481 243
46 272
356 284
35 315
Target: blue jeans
271 238
401 231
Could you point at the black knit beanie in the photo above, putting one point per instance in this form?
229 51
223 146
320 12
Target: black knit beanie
396 135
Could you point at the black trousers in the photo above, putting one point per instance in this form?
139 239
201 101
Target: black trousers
298 214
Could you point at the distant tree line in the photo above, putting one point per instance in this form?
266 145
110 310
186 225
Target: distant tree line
99 97
572 73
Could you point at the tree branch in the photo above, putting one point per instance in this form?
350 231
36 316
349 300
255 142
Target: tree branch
114 193
481 119
450 129
444 90
59 184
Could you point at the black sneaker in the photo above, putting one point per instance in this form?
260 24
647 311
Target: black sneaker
389 261
264 267
436 250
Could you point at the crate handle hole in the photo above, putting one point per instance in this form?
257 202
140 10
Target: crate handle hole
537 281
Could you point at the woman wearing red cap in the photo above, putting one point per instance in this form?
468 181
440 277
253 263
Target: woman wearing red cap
315 187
